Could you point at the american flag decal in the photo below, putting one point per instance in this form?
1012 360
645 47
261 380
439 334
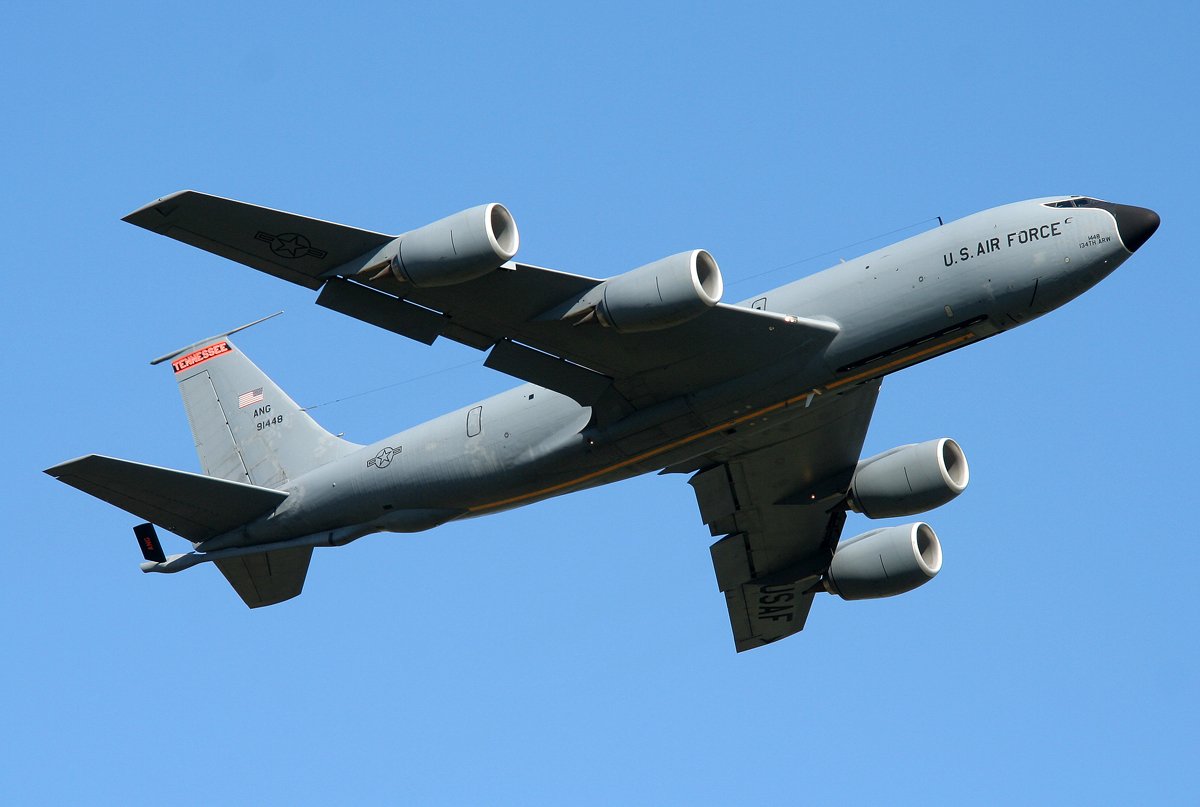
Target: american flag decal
252 397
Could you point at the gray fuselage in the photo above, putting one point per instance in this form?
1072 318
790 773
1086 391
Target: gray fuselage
911 301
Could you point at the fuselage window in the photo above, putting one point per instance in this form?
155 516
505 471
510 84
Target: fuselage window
475 421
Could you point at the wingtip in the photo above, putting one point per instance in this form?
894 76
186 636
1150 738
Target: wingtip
57 471
160 208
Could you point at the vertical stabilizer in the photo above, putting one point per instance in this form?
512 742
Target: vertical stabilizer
245 427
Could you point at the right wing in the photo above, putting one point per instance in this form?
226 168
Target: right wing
777 497
509 311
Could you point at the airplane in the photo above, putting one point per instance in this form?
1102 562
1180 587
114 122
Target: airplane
764 404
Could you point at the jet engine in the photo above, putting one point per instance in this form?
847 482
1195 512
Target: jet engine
458 248
884 562
910 479
661 294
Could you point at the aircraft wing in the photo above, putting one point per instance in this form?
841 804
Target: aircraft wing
511 312
502 312
776 498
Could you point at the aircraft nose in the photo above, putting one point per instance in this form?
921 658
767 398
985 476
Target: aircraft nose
1135 224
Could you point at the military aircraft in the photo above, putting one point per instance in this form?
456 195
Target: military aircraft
764 403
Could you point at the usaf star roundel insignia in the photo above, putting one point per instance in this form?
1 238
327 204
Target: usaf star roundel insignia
384 458
291 245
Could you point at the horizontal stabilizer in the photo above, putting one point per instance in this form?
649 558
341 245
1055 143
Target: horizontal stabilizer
267 577
193 506
295 248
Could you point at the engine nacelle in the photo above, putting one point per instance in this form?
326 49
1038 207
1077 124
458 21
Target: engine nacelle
661 294
909 480
884 562
457 248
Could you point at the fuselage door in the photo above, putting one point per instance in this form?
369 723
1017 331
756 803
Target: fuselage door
475 421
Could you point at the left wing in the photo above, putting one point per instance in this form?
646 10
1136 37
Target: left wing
516 312
777 498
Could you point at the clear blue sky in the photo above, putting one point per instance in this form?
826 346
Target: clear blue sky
577 651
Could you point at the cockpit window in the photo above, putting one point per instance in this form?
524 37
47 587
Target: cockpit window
1078 201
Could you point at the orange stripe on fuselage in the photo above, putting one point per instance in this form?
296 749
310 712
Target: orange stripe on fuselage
625 463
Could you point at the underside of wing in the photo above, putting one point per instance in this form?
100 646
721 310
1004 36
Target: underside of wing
502 312
777 499
618 345
295 248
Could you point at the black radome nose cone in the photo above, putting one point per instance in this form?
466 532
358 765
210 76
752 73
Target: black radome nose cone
1135 224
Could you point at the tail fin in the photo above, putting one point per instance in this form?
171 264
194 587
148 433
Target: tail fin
246 428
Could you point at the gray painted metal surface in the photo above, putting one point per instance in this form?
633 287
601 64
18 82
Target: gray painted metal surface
765 403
